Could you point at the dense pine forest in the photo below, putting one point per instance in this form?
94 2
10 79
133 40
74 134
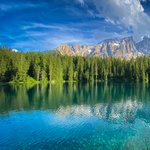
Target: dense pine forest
48 67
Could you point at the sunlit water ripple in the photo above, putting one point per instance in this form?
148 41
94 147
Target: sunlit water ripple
50 123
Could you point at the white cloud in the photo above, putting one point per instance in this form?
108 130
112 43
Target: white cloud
13 6
48 40
55 34
49 26
15 50
81 1
127 13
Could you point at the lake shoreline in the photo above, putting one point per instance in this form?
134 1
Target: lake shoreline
72 82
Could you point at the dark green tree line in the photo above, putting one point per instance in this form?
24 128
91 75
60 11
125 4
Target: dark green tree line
47 67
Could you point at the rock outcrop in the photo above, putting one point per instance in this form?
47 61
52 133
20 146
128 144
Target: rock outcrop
123 48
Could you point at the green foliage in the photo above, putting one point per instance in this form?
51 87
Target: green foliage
47 67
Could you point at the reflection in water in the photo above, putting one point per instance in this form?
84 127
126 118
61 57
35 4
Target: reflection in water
15 97
80 116
121 110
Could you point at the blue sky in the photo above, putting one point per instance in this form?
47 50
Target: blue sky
45 24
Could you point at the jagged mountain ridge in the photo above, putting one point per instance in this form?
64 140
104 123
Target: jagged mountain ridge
122 48
144 45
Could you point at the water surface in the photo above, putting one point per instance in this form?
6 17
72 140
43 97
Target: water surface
75 116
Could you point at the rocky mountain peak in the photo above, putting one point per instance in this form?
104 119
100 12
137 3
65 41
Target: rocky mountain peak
130 38
146 38
64 49
123 48
144 45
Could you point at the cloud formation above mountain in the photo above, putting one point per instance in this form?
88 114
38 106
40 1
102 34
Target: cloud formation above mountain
128 13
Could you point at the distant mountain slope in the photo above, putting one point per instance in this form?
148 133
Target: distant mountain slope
123 48
144 45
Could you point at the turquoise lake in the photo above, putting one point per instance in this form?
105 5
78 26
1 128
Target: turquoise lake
112 116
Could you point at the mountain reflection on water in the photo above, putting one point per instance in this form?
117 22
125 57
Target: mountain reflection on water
80 116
